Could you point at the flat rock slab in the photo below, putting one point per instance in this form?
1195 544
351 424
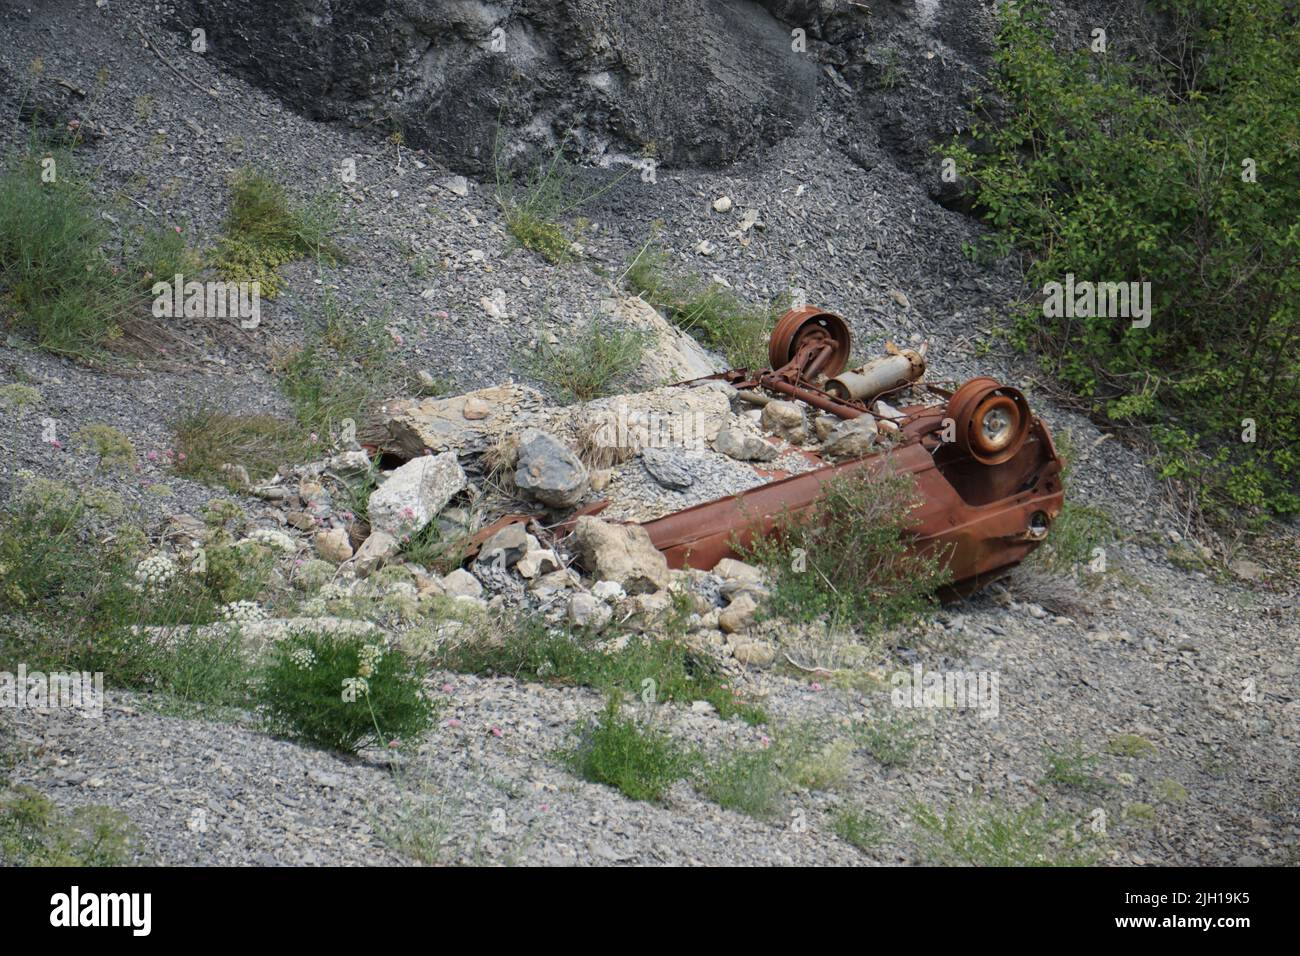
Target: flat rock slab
442 424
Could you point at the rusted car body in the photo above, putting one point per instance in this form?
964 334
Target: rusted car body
986 470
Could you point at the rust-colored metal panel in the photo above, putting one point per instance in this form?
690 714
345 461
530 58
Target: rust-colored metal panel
976 538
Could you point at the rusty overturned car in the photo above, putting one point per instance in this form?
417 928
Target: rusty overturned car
986 471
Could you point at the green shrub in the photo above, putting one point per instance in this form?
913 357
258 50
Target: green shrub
34 832
1139 171
748 781
70 599
892 743
847 558
199 670
266 229
19 396
113 448
616 751
1073 768
162 254
527 648
708 311
858 827
594 361
533 206
1130 745
59 284
343 692
815 765
438 550
234 570
346 364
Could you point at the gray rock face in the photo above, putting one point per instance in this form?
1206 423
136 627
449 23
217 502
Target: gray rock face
704 81
785 419
851 438
743 446
460 583
670 470
549 471
506 547
588 611
374 551
413 495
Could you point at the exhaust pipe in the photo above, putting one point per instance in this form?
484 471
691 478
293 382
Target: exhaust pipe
879 375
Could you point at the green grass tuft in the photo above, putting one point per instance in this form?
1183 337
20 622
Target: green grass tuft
709 311
207 438
642 763
846 560
594 361
266 229
994 834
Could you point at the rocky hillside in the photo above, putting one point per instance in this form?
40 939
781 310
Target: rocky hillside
766 152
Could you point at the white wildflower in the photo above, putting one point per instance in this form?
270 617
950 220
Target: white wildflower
243 612
333 591
155 571
303 657
274 539
370 655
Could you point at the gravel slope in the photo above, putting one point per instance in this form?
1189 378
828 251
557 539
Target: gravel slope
1163 653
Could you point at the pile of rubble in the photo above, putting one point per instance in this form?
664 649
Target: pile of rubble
571 483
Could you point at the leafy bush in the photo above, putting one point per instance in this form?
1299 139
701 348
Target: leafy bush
594 361
343 692
70 599
847 557
709 311
1180 171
